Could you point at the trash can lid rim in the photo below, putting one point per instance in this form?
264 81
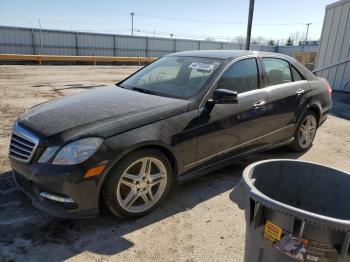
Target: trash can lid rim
297 212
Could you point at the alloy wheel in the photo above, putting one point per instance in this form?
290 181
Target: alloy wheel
307 131
141 185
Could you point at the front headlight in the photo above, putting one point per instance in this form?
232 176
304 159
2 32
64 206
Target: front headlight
48 154
77 151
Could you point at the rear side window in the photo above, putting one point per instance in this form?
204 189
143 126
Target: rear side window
241 77
296 75
277 71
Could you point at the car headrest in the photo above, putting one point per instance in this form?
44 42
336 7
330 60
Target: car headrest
275 77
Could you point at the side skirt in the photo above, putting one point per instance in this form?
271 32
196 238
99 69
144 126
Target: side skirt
226 162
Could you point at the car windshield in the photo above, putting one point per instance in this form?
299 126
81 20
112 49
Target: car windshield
171 76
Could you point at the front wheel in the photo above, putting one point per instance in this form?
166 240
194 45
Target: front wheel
137 184
305 133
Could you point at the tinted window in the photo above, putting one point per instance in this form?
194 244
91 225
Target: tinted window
173 76
242 76
168 71
277 71
296 75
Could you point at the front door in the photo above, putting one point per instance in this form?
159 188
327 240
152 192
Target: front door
226 129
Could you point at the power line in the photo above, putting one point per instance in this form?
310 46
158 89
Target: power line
146 30
215 22
187 20
180 34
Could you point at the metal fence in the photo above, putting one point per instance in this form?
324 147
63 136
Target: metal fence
291 50
19 40
333 61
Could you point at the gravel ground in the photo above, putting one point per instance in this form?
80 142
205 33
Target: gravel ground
196 222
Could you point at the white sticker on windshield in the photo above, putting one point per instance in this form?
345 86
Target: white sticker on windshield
202 66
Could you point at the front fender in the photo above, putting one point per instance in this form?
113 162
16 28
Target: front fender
172 136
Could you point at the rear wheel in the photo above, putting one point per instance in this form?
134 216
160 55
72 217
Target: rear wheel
137 184
305 133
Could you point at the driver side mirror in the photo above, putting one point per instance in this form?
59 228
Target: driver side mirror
224 96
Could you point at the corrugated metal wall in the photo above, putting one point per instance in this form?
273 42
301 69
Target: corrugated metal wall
16 40
333 61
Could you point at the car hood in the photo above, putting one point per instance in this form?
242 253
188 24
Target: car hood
102 112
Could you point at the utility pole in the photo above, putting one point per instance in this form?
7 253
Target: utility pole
250 21
307 31
41 38
276 49
132 22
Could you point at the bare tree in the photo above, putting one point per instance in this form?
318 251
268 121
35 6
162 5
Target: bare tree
297 36
271 42
289 41
261 40
209 39
240 40
258 40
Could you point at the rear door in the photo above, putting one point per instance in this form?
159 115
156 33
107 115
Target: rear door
227 129
287 95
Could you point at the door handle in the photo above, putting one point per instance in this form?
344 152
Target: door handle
300 91
259 103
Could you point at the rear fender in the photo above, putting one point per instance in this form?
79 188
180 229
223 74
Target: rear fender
315 108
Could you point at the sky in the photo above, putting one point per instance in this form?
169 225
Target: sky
221 20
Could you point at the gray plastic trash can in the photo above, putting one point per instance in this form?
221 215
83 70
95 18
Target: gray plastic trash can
294 210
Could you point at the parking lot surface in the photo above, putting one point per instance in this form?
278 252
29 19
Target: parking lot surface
196 222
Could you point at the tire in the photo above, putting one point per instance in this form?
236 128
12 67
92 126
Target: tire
305 133
137 183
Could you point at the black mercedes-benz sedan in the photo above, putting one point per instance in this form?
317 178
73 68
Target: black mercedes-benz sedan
186 114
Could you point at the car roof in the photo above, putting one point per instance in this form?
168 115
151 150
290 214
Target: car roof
225 54
233 54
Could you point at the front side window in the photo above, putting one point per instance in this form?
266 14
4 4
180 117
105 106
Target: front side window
171 76
277 71
241 77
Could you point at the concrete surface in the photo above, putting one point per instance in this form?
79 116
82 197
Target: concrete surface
196 222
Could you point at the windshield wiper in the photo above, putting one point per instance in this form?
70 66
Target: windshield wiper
147 91
138 89
142 90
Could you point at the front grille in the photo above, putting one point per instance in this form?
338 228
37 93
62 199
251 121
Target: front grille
22 145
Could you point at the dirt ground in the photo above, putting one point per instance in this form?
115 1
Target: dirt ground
22 87
196 222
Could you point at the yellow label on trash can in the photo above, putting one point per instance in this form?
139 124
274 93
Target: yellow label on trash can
272 231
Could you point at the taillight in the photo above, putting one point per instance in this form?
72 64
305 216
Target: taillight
329 88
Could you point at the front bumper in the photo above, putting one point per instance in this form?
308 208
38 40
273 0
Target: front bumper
65 181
